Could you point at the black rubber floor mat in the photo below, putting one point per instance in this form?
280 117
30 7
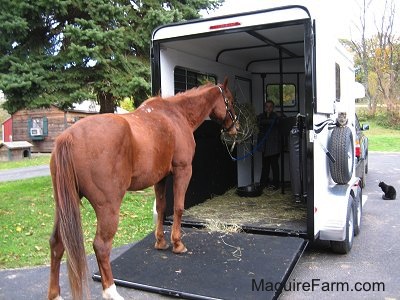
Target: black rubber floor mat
217 265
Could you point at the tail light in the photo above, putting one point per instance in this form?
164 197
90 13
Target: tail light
358 149
225 25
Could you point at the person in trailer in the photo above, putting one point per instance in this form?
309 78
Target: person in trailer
269 143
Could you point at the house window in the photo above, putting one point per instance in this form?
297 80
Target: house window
37 123
185 79
289 94
37 128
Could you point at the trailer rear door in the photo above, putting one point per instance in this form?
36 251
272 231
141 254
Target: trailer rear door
217 265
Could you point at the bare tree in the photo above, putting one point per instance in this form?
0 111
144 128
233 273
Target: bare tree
386 62
363 53
377 57
361 47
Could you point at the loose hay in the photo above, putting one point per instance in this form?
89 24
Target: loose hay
218 226
271 209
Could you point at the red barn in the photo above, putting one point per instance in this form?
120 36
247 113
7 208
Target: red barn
7 130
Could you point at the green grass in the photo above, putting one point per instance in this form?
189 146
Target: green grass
382 139
26 221
35 160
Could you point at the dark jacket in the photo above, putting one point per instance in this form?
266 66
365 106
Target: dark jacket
269 137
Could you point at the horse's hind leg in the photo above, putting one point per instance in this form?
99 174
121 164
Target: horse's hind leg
107 225
160 189
56 253
182 175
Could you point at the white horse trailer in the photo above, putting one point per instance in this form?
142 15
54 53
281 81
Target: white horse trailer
284 53
281 48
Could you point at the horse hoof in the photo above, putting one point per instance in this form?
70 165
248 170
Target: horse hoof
111 293
161 245
180 249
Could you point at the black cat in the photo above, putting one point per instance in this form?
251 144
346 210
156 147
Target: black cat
390 192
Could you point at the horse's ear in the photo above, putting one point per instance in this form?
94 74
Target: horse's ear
225 84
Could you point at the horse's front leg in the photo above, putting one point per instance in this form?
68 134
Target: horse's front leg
160 190
182 177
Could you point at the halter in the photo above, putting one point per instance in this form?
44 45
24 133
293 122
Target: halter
229 113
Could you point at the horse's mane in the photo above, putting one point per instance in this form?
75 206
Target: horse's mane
192 92
182 95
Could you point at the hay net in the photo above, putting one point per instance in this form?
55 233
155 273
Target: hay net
247 129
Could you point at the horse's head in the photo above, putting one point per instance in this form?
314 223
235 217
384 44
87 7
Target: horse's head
224 111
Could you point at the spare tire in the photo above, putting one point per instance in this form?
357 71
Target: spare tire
341 147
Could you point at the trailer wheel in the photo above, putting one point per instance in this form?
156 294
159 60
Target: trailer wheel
357 211
341 147
344 247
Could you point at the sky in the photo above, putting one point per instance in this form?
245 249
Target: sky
347 13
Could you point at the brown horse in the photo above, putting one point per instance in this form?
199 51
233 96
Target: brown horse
103 156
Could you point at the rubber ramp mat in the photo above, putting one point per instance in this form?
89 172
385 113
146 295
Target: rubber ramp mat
216 266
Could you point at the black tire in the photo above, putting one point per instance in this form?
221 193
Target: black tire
344 247
357 211
341 147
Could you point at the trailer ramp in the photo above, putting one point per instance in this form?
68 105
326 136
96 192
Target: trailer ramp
217 265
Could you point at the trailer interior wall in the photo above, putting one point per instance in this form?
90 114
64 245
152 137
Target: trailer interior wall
213 170
171 58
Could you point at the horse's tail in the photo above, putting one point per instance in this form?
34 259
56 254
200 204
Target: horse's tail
67 200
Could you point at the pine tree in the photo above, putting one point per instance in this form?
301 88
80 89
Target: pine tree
66 51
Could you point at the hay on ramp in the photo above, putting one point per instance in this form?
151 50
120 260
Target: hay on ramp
271 209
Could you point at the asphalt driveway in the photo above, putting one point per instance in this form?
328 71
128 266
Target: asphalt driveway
24 173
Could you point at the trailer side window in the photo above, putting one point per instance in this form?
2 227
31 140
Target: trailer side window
289 94
185 79
337 79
